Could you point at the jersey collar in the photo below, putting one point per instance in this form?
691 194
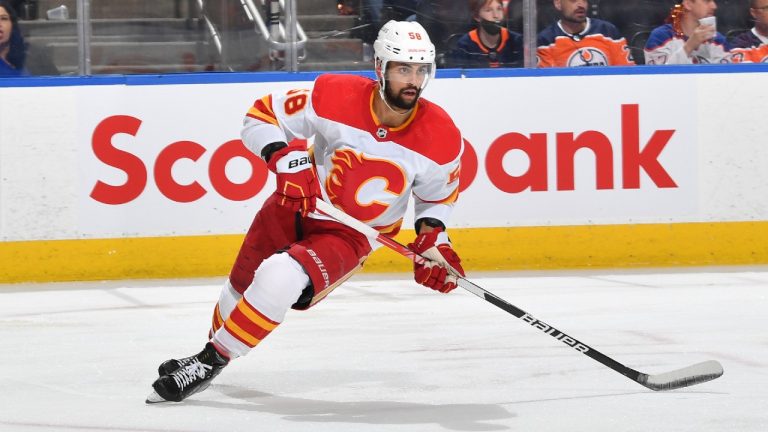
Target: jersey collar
762 38
576 36
377 122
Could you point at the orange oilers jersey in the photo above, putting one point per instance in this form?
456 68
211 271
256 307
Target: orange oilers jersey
600 44
750 55
749 47
367 169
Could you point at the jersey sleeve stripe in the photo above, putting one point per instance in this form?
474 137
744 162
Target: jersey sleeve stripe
390 230
450 199
262 110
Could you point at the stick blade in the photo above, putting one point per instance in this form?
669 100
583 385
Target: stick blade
685 377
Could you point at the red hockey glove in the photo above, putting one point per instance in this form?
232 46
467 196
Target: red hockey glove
297 183
434 272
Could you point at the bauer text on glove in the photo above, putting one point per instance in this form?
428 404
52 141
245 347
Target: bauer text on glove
297 183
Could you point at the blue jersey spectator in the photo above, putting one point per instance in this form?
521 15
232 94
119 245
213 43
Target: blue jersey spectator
12 51
490 44
597 43
752 45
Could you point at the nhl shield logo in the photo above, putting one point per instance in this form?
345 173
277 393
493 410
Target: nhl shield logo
381 133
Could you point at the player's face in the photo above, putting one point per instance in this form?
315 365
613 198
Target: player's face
6 26
760 13
574 11
493 10
702 8
404 83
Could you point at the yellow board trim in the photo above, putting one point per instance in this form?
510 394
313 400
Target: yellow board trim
481 249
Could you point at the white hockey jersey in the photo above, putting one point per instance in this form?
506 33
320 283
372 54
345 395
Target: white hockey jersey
664 46
365 168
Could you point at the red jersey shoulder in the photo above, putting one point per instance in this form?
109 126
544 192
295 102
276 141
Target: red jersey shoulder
433 134
340 96
346 99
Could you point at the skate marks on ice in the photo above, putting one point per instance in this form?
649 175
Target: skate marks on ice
390 356
58 427
416 416
455 417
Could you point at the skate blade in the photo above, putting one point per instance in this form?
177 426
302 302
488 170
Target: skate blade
154 398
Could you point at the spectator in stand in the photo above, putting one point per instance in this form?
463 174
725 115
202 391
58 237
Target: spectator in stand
577 40
12 50
684 39
752 45
490 44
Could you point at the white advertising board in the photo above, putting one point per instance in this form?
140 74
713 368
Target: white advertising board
153 160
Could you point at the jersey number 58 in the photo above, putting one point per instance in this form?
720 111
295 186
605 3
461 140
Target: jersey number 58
296 101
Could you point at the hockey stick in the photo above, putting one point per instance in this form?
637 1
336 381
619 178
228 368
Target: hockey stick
687 376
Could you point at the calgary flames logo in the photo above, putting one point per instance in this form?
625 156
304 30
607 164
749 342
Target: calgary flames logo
363 186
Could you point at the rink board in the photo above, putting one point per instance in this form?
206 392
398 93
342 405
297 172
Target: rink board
482 249
115 177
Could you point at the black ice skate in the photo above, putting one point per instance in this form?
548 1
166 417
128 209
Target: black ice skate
170 366
190 378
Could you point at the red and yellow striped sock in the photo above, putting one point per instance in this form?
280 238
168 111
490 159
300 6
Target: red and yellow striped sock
216 321
247 324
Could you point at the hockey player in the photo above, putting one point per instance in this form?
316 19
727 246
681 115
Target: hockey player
577 40
376 143
684 40
491 44
752 45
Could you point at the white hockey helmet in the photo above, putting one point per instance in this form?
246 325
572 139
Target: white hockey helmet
403 41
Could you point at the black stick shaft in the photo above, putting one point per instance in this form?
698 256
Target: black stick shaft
548 329
691 375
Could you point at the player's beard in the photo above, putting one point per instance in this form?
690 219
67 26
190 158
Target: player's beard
576 19
397 100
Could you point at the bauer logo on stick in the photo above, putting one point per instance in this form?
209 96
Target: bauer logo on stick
555 333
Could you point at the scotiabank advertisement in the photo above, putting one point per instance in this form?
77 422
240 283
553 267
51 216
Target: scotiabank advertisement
577 150
167 160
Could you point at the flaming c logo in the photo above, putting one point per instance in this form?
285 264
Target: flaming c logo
381 179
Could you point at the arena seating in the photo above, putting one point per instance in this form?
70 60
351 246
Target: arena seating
136 36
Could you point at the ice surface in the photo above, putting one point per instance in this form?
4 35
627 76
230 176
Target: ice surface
383 354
